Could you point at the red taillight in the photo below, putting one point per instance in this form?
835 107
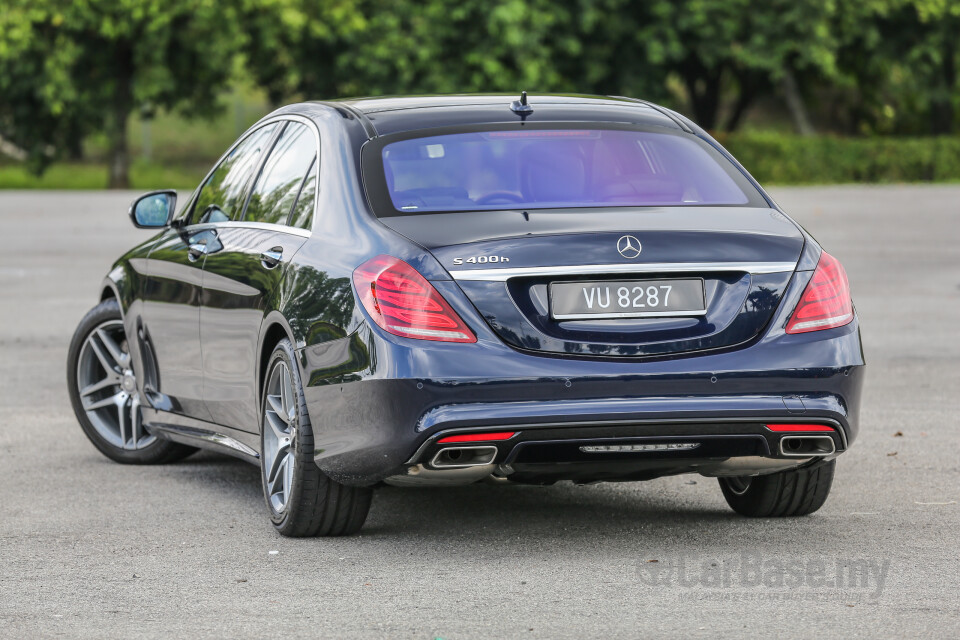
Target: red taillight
825 302
799 427
479 437
402 302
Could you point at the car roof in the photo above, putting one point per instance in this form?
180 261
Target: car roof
401 114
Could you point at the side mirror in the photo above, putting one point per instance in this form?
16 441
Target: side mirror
154 210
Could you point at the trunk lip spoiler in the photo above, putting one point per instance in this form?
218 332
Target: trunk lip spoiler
504 274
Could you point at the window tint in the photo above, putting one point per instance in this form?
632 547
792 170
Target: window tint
303 211
558 168
279 182
223 193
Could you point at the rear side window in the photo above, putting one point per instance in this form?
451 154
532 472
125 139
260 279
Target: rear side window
222 195
558 168
302 216
282 176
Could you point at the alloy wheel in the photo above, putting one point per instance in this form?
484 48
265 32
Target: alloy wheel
107 386
279 431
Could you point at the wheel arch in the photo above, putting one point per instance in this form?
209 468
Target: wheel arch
274 329
109 289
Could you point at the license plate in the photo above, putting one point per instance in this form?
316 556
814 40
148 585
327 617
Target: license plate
627 299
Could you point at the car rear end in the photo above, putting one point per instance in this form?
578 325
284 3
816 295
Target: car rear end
616 301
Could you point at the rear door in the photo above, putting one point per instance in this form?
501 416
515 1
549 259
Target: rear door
174 282
239 277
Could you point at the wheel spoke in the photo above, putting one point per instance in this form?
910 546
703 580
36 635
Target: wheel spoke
288 475
280 430
111 380
277 462
136 423
123 422
105 361
114 400
285 391
277 474
276 405
122 359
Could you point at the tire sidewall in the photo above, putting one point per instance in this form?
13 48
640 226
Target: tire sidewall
769 495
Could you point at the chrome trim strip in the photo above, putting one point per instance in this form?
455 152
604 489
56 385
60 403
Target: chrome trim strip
181 433
266 226
502 275
642 314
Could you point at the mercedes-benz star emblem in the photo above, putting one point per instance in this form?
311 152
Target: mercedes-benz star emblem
629 247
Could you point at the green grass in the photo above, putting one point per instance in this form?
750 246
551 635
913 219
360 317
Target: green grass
143 176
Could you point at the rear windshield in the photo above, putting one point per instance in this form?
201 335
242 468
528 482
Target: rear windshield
558 168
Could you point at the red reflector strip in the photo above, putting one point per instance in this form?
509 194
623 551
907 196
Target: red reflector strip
478 437
799 427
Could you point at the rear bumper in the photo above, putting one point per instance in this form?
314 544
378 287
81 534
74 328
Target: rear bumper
378 422
634 450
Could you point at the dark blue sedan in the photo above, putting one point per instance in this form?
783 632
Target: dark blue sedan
448 289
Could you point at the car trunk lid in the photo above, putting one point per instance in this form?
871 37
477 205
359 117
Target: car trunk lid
506 261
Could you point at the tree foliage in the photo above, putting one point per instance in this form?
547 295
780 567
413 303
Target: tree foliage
69 68
873 65
72 67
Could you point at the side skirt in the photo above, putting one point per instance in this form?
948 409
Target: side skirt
204 435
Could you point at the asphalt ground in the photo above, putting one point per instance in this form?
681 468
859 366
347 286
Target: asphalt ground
92 548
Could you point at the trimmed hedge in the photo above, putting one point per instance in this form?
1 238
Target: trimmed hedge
788 159
771 157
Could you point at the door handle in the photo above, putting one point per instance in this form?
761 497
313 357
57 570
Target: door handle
271 258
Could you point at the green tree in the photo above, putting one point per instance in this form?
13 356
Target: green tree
69 68
896 67
313 50
725 53
299 47
729 53
924 40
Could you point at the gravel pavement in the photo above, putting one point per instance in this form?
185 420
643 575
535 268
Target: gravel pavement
93 548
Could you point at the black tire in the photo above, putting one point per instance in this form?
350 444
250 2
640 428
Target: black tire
159 451
797 492
315 505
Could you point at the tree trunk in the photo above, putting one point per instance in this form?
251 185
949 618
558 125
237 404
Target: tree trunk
798 110
747 93
119 170
941 104
116 125
703 85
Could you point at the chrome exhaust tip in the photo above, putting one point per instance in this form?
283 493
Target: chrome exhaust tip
462 457
806 446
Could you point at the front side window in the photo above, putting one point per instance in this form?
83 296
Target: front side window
222 195
558 168
283 173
